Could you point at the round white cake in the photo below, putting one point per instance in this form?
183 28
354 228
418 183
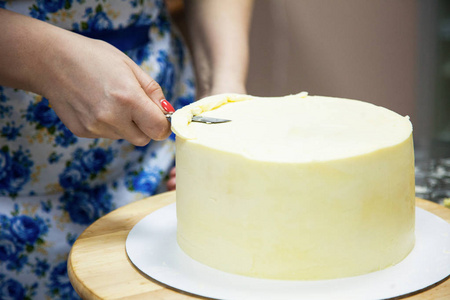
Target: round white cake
296 188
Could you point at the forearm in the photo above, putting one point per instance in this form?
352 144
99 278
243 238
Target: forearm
24 45
218 34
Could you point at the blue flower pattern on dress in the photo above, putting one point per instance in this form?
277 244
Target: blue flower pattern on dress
59 286
5 110
13 289
83 202
98 20
44 117
10 131
42 8
53 184
15 170
167 77
142 180
21 235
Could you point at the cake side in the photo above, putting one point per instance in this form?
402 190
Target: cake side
307 219
310 221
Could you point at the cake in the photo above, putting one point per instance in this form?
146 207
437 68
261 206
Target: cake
294 188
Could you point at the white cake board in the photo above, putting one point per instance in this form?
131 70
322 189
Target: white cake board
152 247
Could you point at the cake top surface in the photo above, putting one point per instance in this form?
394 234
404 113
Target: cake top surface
295 128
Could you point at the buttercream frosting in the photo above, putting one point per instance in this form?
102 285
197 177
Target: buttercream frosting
296 187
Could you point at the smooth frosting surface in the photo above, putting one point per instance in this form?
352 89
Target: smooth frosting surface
297 187
296 128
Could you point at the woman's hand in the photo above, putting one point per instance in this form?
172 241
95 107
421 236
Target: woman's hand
97 91
94 88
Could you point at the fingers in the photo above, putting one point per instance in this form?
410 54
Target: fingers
151 88
173 172
133 117
172 182
129 132
150 117
112 122
135 135
119 130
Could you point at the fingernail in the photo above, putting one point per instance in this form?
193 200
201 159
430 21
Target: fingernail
167 106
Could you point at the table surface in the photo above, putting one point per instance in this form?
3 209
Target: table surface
99 267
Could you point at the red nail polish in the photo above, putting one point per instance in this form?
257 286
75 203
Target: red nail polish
167 106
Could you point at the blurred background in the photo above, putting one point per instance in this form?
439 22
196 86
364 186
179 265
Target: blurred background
391 53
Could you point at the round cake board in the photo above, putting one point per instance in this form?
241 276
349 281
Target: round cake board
152 247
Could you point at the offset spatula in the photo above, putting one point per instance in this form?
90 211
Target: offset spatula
202 119
208 120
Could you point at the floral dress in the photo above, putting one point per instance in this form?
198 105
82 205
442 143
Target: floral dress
54 184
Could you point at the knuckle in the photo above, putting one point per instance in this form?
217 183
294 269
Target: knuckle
101 117
152 86
126 100
92 126
122 94
122 97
